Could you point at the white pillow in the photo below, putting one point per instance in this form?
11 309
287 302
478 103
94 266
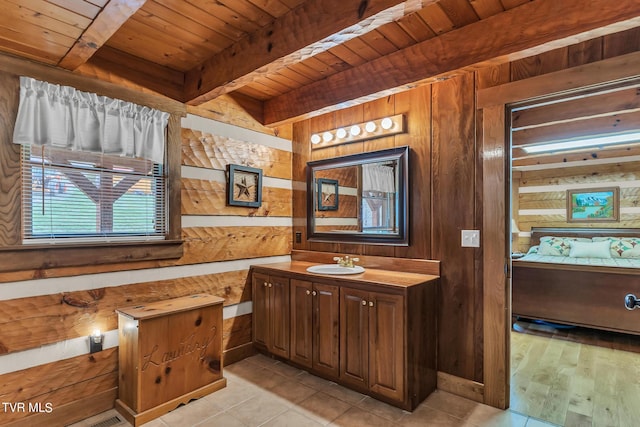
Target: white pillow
590 249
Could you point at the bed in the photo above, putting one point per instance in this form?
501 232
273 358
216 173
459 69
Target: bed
579 276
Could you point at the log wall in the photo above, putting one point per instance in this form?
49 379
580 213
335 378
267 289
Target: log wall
47 314
542 196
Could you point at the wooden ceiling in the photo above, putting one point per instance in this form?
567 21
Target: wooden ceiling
289 59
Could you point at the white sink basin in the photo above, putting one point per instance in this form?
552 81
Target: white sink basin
334 269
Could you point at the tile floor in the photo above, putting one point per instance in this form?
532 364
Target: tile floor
263 392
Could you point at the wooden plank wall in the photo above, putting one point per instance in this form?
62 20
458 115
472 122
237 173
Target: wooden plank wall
58 308
445 184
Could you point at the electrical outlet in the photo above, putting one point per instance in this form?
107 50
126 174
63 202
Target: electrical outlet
298 237
470 238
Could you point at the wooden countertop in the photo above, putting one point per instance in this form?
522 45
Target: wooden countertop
370 275
175 305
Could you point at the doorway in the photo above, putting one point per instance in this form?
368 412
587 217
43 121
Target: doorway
584 142
491 104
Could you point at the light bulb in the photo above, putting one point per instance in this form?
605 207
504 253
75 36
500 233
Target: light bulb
370 127
341 133
315 138
355 130
327 136
386 123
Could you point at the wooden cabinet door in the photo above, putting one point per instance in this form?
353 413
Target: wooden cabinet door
279 312
326 320
386 345
261 316
354 337
301 322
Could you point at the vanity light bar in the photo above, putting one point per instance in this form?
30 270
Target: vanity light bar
385 126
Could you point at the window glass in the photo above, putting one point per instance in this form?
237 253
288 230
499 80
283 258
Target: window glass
70 195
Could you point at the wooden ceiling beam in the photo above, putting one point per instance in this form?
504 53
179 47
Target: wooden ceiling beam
535 27
109 20
314 27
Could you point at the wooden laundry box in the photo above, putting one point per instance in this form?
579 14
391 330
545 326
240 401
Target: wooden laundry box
169 353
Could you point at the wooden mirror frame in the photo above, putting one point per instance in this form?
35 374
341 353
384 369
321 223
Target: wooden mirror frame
399 154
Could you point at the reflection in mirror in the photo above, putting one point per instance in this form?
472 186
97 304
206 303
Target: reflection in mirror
360 198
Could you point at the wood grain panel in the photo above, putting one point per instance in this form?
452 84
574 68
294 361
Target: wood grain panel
346 176
347 208
216 152
228 109
72 412
69 394
416 104
495 283
57 317
582 157
611 172
208 244
27 384
585 127
10 193
453 176
608 103
558 221
622 67
236 331
536 65
586 171
200 197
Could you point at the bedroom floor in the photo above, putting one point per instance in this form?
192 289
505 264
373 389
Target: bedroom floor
575 377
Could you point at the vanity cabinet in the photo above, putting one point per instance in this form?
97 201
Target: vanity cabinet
271 313
315 317
372 342
374 332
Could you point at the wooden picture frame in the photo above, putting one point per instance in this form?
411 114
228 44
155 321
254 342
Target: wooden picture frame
327 194
245 186
593 205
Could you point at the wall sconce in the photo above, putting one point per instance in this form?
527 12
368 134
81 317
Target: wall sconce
378 128
95 341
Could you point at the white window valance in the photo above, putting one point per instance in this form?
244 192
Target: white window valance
377 177
63 117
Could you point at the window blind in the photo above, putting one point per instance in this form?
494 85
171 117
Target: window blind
73 196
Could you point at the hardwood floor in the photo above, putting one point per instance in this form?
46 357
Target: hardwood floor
575 377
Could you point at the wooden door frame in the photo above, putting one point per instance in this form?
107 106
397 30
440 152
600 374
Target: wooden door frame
491 105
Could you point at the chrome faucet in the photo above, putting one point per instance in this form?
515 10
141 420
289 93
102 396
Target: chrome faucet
346 261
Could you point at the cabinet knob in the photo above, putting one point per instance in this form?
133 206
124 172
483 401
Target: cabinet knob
314 293
364 302
308 292
265 284
370 303
270 284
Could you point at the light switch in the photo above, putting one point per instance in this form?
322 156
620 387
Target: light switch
471 238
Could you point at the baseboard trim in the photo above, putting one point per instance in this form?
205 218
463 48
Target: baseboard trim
461 386
236 354
71 412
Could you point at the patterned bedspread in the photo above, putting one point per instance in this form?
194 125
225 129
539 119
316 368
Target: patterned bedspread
600 262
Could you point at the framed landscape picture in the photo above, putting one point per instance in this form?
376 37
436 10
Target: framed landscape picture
245 186
593 205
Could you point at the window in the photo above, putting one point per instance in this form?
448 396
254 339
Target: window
86 188
74 196
378 212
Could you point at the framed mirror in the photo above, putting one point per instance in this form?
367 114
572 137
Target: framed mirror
360 198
